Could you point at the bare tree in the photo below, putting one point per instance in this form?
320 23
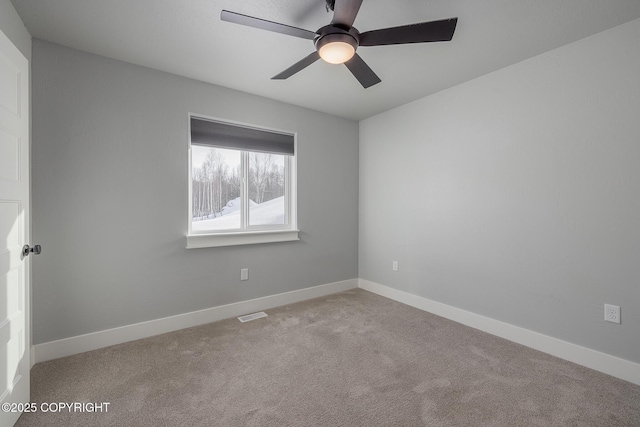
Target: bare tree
211 186
259 168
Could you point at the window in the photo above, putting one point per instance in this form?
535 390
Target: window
242 185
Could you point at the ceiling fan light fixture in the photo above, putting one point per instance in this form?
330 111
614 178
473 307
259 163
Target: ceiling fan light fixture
337 52
336 48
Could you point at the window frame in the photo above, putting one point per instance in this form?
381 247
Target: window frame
249 234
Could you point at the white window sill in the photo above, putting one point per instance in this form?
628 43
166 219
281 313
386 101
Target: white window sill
195 241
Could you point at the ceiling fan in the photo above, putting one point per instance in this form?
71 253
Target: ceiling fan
337 42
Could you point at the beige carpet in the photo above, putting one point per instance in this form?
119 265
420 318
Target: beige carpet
349 359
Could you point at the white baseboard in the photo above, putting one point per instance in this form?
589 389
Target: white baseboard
611 365
79 344
608 364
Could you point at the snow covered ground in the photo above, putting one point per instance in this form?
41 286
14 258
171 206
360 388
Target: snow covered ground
234 205
271 212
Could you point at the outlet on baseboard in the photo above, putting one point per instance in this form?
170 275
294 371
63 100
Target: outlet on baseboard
244 274
612 313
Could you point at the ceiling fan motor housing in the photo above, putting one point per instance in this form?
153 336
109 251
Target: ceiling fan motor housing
334 33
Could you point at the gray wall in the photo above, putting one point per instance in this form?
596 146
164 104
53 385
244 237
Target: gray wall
109 165
11 25
517 195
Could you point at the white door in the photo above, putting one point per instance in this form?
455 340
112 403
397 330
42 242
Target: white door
14 231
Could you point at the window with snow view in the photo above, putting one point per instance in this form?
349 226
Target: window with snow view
242 185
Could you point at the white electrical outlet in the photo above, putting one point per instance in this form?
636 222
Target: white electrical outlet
244 274
612 313
394 265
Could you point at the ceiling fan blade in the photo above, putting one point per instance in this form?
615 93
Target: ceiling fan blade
263 24
345 11
434 31
298 66
362 72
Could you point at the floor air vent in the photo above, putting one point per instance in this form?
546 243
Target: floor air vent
253 316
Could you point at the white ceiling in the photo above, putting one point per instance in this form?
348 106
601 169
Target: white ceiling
186 37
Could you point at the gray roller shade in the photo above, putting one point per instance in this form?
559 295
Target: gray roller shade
225 135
